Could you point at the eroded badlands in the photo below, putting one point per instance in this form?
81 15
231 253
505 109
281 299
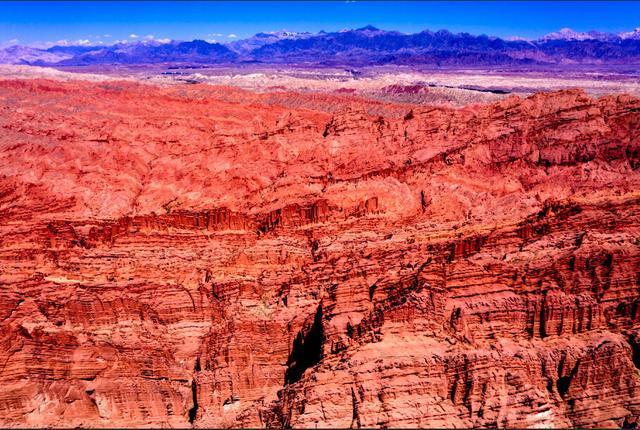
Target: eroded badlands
205 255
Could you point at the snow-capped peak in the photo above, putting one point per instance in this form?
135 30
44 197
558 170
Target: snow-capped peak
516 39
567 34
635 34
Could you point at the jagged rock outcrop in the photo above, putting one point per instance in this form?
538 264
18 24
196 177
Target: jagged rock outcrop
206 256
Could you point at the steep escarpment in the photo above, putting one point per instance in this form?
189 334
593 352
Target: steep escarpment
208 256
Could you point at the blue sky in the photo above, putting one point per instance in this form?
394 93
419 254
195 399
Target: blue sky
29 22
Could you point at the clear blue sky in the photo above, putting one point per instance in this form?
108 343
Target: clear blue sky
29 22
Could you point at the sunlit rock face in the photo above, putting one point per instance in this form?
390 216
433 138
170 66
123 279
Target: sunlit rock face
207 256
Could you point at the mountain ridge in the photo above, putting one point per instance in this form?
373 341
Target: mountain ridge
363 46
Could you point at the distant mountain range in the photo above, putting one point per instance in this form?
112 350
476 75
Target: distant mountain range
568 34
196 51
363 46
17 54
246 46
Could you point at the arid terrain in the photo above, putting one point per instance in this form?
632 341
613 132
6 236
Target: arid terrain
273 248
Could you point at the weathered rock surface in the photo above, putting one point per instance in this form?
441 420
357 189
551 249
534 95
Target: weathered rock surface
206 256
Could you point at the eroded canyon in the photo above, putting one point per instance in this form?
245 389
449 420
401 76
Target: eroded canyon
208 256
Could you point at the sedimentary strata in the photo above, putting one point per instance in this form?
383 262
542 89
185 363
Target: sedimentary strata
207 256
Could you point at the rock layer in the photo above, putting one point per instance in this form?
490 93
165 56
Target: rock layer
206 256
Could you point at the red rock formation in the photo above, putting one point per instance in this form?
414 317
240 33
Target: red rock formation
196 255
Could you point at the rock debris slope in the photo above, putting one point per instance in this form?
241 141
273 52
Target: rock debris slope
206 256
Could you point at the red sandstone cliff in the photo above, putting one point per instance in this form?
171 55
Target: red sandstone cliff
212 257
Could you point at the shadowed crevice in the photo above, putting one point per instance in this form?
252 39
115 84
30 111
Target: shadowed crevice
307 349
635 350
193 412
